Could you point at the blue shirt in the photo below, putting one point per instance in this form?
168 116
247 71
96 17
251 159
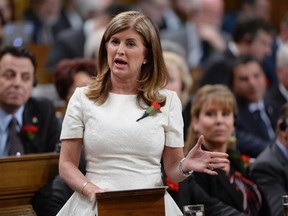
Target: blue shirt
5 119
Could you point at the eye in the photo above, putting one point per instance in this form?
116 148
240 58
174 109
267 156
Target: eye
8 75
209 113
114 41
226 113
130 44
26 77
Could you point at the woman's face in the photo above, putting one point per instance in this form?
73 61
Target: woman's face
126 54
215 122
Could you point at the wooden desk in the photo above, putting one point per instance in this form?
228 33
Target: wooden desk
140 202
23 210
21 177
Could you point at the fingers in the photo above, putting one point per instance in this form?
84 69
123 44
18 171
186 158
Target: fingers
212 166
200 141
218 155
210 172
210 169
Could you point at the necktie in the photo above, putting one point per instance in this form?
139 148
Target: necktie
13 141
262 124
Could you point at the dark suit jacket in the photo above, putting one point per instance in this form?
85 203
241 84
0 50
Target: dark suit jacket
69 44
41 113
191 193
274 94
249 134
270 171
220 188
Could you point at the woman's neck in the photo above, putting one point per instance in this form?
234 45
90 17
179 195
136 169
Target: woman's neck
216 147
124 88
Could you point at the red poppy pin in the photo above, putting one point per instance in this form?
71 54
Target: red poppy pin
29 131
152 110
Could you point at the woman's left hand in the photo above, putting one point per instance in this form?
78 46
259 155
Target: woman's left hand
204 161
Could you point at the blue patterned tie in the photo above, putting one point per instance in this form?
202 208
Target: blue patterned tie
13 140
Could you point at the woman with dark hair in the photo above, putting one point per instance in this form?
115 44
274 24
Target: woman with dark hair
72 73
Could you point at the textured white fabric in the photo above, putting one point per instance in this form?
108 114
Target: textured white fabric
120 152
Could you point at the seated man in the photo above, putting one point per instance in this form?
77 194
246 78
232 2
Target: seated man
270 168
27 125
256 115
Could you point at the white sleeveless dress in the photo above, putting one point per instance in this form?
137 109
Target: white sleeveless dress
120 152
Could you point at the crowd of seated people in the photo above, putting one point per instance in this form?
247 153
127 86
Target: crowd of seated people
242 51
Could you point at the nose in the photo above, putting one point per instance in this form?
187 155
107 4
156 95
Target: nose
121 49
17 79
219 118
253 81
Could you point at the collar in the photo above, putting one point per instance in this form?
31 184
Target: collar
282 148
283 91
256 106
5 118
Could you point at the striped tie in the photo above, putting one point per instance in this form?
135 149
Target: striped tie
13 140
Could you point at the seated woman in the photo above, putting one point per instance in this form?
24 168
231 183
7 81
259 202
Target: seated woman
72 73
214 112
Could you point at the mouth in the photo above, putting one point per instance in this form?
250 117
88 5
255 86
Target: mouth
14 95
219 132
120 62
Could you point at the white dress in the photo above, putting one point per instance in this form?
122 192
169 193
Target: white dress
120 152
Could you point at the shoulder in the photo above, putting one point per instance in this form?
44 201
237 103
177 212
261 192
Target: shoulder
173 102
171 96
39 106
168 93
79 94
39 102
81 91
266 157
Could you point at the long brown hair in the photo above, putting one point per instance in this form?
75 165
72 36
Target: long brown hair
153 74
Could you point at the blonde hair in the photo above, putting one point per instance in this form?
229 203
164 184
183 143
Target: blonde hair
153 75
209 94
176 60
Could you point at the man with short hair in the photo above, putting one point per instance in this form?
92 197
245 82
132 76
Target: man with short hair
36 128
270 170
257 117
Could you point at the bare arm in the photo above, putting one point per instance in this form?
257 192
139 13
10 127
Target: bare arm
68 169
